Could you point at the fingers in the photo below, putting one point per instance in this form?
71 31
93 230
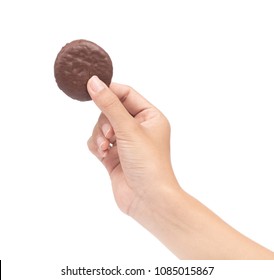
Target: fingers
102 138
106 128
119 103
131 99
109 104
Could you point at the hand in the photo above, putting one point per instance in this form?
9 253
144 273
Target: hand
132 139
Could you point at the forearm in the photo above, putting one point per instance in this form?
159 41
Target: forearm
191 231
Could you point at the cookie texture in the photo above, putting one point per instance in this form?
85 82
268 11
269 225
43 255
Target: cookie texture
76 63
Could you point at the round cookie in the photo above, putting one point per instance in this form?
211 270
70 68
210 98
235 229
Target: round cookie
76 63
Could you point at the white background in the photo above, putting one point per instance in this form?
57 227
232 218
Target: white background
208 65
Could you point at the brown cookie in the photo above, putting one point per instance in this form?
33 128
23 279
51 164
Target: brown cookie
76 63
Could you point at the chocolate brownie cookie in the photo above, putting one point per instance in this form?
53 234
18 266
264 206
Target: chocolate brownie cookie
76 63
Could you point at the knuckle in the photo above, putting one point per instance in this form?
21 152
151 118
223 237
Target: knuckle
91 145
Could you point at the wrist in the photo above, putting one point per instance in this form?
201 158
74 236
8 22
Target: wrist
160 210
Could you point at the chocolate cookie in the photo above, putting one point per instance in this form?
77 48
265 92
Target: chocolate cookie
76 63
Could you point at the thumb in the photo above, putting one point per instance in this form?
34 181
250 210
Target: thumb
109 104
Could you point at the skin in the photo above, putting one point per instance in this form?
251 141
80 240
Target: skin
132 140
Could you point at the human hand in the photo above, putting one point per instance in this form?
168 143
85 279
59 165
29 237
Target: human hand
132 140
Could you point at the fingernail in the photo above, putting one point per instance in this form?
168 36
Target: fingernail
106 129
95 84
